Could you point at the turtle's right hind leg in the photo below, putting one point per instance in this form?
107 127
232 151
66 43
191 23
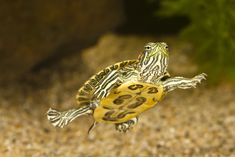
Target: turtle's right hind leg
61 119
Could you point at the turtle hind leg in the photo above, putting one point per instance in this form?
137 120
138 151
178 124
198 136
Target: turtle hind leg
61 119
125 126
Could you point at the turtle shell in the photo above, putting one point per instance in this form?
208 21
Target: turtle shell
128 101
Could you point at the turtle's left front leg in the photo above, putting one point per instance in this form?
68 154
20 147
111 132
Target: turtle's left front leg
125 126
182 83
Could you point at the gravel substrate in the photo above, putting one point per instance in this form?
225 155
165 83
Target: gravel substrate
196 122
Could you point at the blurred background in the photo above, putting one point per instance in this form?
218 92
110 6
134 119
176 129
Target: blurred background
49 48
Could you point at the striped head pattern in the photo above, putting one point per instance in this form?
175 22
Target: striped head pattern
153 61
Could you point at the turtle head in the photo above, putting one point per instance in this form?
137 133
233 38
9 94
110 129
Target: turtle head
153 61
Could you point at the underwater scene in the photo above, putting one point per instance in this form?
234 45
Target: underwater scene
115 78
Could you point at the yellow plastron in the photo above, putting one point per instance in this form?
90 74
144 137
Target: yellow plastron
128 101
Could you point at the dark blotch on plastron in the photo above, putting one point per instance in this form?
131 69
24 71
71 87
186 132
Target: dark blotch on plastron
135 86
107 116
126 96
109 113
121 99
152 90
155 99
139 101
118 101
107 108
123 114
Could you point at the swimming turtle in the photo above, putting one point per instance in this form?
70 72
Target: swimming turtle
120 92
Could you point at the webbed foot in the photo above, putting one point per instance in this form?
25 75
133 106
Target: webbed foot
197 79
61 119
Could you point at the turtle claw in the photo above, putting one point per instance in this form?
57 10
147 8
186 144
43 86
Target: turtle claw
201 77
198 79
192 83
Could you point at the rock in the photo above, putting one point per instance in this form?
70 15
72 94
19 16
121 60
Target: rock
32 31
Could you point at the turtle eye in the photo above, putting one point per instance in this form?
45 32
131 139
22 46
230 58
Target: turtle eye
165 45
147 47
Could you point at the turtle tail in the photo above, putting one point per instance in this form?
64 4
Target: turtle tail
92 127
61 119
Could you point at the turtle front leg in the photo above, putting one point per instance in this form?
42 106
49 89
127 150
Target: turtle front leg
125 126
182 83
61 119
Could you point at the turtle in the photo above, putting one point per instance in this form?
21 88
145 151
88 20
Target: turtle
119 93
